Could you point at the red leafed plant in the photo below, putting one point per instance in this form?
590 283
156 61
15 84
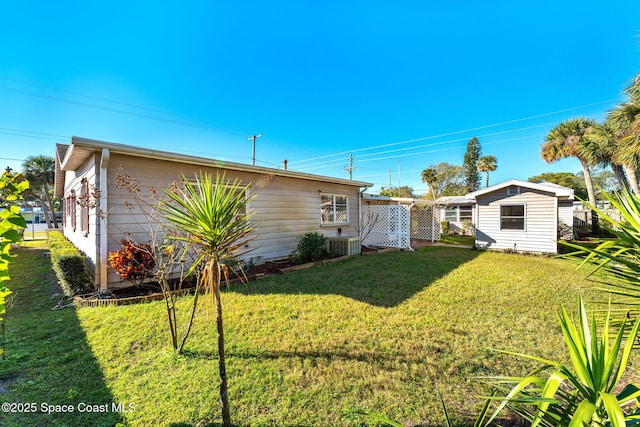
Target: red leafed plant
134 262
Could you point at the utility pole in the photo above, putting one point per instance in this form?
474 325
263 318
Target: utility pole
390 180
350 168
253 147
398 173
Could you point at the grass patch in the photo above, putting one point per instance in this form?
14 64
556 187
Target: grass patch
456 239
384 333
48 359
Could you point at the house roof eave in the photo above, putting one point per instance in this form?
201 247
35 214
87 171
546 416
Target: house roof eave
556 190
82 147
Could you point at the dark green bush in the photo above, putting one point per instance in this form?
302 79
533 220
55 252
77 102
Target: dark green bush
311 247
68 263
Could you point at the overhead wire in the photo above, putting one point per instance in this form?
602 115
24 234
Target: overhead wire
418 153
194 122
459 131
303 164
428 145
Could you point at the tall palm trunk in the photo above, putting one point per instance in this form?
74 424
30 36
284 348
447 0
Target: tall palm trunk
50 206
620 174
588 182
45 211
632 177
214 266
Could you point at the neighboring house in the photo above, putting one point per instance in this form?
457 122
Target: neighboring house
523 216
458 211
287 204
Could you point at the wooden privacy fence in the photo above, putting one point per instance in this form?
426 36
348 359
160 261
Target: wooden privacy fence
582 217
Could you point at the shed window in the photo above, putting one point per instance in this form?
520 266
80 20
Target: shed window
334 209
512 217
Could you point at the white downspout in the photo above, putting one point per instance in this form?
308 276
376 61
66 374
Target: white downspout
102 218
360 194
409 231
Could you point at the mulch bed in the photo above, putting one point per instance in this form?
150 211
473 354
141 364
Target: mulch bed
152 291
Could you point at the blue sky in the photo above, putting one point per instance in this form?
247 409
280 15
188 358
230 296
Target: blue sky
400 85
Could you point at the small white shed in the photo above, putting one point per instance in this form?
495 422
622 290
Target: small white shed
523 216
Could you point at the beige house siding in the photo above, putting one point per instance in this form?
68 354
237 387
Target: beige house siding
86 242
284 208
286 204
541 219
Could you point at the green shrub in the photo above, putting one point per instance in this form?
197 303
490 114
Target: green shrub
444 227
467 228
311 247
68 263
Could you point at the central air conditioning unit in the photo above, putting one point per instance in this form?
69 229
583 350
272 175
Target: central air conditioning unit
343 245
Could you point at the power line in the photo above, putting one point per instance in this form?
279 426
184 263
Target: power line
461 131
414 154
35 133
377 153
98 98
205 124
112 110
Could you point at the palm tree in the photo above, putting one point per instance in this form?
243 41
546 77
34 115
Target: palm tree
625 124
602 148
567 140
40 171
487 164
213 216
430 177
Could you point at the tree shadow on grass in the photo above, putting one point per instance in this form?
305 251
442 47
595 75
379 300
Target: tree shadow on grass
48 360
232 425
383 280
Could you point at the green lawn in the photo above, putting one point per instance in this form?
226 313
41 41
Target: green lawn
383 332
456 239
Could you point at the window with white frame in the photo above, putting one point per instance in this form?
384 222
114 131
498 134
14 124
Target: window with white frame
512 217
458 213
466 213
451 214
84 207
334 209
72 213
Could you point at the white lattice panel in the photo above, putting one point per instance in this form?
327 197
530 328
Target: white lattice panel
425 223
386 226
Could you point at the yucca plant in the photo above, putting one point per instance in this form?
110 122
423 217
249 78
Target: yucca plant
212 215
581 394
